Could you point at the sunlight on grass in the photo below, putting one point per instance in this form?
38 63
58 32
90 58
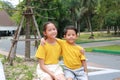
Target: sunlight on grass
111 47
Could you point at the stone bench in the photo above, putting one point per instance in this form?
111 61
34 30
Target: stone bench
2 75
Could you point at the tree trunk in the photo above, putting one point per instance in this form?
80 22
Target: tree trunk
115 30
27 34
108 30
79 28
90 27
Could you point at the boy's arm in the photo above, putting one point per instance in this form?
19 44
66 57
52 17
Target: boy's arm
85 66
42 41
84 63
82 51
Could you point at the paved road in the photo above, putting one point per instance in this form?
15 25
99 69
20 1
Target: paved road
5 45
106 66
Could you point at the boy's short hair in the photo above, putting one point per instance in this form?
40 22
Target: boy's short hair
70 28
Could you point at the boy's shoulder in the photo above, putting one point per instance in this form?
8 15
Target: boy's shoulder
80 47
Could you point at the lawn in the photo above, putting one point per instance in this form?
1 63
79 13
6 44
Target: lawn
98 36
111 47
21 69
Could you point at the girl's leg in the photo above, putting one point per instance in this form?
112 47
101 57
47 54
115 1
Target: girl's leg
60 77
48 78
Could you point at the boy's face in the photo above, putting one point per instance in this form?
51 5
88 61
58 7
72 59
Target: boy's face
70 36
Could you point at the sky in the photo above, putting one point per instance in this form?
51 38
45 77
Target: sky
14 2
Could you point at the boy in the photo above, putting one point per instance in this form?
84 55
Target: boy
75 67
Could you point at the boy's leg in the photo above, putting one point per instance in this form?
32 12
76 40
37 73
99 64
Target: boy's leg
69 79
69 74
80 74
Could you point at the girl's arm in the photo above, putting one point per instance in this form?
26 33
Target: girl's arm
45 69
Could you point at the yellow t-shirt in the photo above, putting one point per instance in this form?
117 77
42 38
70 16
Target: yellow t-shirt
71 54
49 53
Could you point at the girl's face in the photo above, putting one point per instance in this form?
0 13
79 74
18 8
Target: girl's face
51 31
70 36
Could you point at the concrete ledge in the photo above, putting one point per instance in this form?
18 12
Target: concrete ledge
2 75
106 51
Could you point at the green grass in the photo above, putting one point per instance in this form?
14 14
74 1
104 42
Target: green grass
21 69
1 55
111 47
98 36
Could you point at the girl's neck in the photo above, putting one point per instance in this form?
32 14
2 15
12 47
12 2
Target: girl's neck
51 41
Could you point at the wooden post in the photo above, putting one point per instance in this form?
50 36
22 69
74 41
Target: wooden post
12 52
28 16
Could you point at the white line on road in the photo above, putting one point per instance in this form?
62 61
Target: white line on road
99 71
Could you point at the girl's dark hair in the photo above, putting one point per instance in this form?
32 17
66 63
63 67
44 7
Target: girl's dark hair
70 28
45 25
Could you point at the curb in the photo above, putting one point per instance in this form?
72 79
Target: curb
106 51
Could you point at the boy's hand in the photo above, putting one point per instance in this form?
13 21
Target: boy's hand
42 41
82 51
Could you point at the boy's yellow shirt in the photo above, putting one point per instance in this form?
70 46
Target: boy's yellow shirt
71 54
49 53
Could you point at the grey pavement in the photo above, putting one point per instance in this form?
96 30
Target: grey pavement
5 45
104 60
109 76
106 66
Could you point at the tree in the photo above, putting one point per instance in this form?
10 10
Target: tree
90 4
7 6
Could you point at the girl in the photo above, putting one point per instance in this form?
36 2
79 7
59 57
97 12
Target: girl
48 55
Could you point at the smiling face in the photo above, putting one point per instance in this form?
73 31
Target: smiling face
50 31
70 36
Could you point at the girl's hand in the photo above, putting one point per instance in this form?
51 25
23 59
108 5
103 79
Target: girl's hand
54 77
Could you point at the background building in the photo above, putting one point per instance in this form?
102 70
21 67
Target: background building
7 26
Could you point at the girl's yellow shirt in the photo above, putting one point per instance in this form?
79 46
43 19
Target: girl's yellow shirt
71 54
49 53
